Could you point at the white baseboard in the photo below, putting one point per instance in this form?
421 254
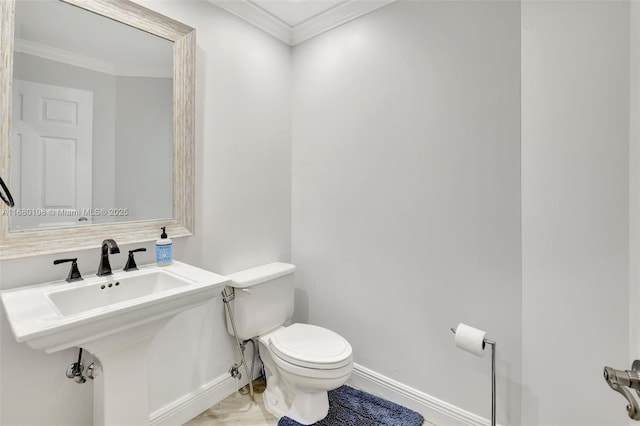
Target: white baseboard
189 406
433 409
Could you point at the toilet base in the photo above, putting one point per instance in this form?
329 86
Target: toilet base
307 408
274 399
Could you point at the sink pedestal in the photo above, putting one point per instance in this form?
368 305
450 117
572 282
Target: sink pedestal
121 391
121 386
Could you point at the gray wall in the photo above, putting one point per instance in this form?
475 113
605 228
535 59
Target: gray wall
575 209
243 184
634 185
144 147
406 193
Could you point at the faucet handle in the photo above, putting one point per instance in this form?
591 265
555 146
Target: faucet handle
74 273
131 262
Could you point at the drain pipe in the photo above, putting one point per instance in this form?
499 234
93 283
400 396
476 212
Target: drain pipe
226 298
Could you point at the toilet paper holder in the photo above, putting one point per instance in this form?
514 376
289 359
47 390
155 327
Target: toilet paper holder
486 341
492 343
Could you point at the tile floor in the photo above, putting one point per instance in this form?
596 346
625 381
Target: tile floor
239 410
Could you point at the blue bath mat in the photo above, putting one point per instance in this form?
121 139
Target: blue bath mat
352 407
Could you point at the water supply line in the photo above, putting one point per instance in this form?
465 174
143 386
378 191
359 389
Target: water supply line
254 346
226 298
75 370
234 369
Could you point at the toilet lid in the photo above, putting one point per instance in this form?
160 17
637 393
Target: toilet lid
310 346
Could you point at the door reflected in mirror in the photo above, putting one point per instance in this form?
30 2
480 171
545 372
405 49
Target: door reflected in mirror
92 120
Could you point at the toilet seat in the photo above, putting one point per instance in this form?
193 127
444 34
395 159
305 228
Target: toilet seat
310 346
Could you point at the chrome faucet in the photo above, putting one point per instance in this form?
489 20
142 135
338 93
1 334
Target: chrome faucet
109 246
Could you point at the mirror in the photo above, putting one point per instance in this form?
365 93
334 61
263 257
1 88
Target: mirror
92 119
97 124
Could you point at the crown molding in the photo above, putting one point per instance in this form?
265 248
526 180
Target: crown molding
87 62
334 17
257 17
61 55
319 24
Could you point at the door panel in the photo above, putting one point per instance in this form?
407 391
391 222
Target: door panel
52 141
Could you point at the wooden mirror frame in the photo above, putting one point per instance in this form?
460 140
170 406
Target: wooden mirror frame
36 242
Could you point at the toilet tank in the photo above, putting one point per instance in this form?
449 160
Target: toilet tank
264 298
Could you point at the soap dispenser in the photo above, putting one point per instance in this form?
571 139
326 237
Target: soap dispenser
164 249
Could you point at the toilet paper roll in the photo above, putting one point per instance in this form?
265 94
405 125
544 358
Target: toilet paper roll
470 339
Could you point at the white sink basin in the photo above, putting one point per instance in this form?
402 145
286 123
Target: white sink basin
103 293
58 315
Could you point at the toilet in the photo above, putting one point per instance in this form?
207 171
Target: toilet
302 361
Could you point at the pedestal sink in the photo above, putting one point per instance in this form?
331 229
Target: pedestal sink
114 318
